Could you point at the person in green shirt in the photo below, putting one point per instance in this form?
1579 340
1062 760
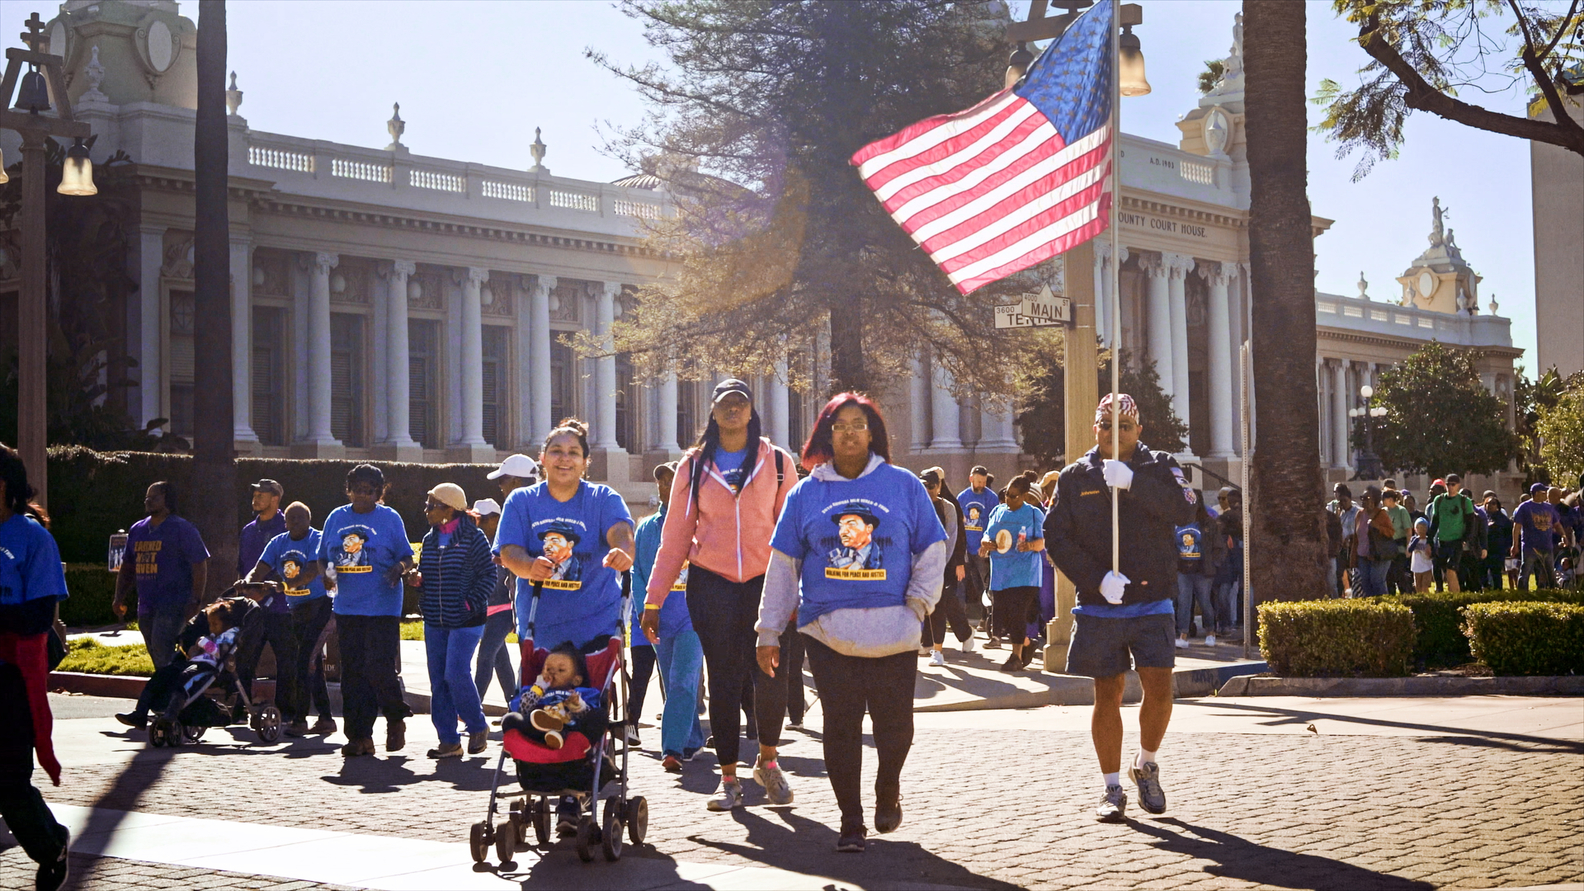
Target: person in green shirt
1451 516
1398 578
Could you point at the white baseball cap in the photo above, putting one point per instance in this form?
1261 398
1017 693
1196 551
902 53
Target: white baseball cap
486 506
518 466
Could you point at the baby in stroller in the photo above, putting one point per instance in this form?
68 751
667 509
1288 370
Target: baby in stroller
558 702
172 687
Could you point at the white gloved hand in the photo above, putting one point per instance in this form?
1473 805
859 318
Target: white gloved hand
1113 586
1117 474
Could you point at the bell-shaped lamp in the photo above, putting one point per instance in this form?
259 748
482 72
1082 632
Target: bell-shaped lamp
77 172
32 93
1018 65
1366 391
1131 67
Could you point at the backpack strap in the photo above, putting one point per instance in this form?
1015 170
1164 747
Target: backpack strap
780 469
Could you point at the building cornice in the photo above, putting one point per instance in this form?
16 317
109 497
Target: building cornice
1347 336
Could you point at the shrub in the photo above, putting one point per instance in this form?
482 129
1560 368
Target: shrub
1439 641
1336 638
88 655
1527 638
92 589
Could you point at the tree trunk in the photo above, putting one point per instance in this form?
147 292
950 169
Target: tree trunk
214 465
1288 536
846 340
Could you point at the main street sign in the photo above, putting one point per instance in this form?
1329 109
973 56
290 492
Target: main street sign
1047 307
1010 315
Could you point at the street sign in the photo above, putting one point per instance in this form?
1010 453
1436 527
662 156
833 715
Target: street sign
1010 315
1047 307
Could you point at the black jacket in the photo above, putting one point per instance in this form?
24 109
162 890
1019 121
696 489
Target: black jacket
1078 527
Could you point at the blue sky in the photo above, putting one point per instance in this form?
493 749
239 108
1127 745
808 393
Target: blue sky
475 77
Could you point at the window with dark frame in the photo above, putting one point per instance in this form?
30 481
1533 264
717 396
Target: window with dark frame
347 417
626 404
181 363
268 369
423 357
562 374
496 399
687 412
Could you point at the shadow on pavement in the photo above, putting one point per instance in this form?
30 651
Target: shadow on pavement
1455 735
1238 858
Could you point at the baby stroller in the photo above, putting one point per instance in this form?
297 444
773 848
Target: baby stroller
583 769
192 709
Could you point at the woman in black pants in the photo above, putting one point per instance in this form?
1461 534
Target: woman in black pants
858 555
950 609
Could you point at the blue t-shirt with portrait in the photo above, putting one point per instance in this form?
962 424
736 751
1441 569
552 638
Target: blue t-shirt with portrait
731 467
1009 567
30 563
289 557
1190 548
976 508
582 598
162 557
856 539
362 548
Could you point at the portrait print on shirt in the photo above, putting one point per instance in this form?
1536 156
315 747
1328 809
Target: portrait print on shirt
292 563
855 551
973 517
559 541
353 555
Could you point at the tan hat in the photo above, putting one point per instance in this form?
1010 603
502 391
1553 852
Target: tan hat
450 495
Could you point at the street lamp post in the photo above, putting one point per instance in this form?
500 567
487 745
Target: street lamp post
1369 464
35 128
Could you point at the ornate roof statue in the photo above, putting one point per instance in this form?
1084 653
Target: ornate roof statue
537 150
396 127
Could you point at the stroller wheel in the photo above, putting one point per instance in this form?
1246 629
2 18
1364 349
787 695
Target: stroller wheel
506 840
156 734
539 815
587 832
611 836
192 733
479 842
269 724
637 819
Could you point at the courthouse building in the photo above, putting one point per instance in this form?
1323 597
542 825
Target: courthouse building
393 306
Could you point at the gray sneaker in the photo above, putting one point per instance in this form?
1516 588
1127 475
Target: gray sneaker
1113 806
775 784
1151 797
728 796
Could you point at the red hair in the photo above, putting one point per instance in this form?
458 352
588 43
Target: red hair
819 449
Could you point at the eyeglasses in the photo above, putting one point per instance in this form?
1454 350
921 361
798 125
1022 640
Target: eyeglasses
854 427
433 505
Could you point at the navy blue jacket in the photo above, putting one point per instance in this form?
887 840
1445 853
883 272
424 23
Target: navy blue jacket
1078 526
458 578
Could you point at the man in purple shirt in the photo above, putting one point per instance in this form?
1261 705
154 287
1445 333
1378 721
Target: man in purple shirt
268 522
1535 546
279 633
166 561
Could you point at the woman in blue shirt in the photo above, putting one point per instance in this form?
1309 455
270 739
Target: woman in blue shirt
1013 538
858 554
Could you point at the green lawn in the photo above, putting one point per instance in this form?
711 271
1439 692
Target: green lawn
412 629
88 655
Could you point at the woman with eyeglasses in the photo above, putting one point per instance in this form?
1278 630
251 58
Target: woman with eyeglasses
728 491
857 557
456 578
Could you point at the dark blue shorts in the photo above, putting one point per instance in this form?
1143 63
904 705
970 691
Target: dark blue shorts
1104 648
1449 554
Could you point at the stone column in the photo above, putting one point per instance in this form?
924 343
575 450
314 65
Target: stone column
1159 312
470 446
1321 401
245 440
1340 454
151 260
399 444
778 405
918 405
539 357
1178 266
667 392
605 369
319 441
944 413
1105 300
999 429
1219 276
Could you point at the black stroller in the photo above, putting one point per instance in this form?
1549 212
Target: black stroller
583 769
216 699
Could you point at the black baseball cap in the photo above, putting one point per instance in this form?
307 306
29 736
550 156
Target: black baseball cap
731 385
979 470
269 486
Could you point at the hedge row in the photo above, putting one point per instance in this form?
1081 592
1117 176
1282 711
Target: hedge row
1440 641
1527 638
1337 638
94 494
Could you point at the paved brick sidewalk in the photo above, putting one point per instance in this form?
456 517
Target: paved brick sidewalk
988 809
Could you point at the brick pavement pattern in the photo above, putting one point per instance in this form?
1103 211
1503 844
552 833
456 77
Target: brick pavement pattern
113 874
1008 809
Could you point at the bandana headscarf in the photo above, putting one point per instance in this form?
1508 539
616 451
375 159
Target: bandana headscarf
1125 405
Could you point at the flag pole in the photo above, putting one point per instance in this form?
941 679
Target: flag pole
1115 263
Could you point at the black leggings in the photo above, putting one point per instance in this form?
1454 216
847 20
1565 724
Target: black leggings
370 654
643 666
723 614
848 687
949 609
21 805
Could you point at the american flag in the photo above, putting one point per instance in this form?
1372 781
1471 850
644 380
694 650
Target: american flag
1018 178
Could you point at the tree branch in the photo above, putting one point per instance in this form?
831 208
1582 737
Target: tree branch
1424 97
1533 62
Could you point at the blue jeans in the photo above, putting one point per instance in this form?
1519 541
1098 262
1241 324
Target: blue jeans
1372 577
160 626
1192 587
493 656
452 694
681 662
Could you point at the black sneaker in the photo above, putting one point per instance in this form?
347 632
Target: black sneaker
888 813
52 873
566 817
851 840
1029 651
1152 797
1013 663
133 720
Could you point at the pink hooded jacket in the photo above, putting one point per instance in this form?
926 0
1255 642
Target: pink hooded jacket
724 532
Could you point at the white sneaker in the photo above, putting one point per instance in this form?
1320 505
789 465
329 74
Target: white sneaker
938 658
1182 644
968 645
728 796
775 784
1209 640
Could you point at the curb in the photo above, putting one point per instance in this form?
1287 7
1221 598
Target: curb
129 686
1075 690
1566 685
